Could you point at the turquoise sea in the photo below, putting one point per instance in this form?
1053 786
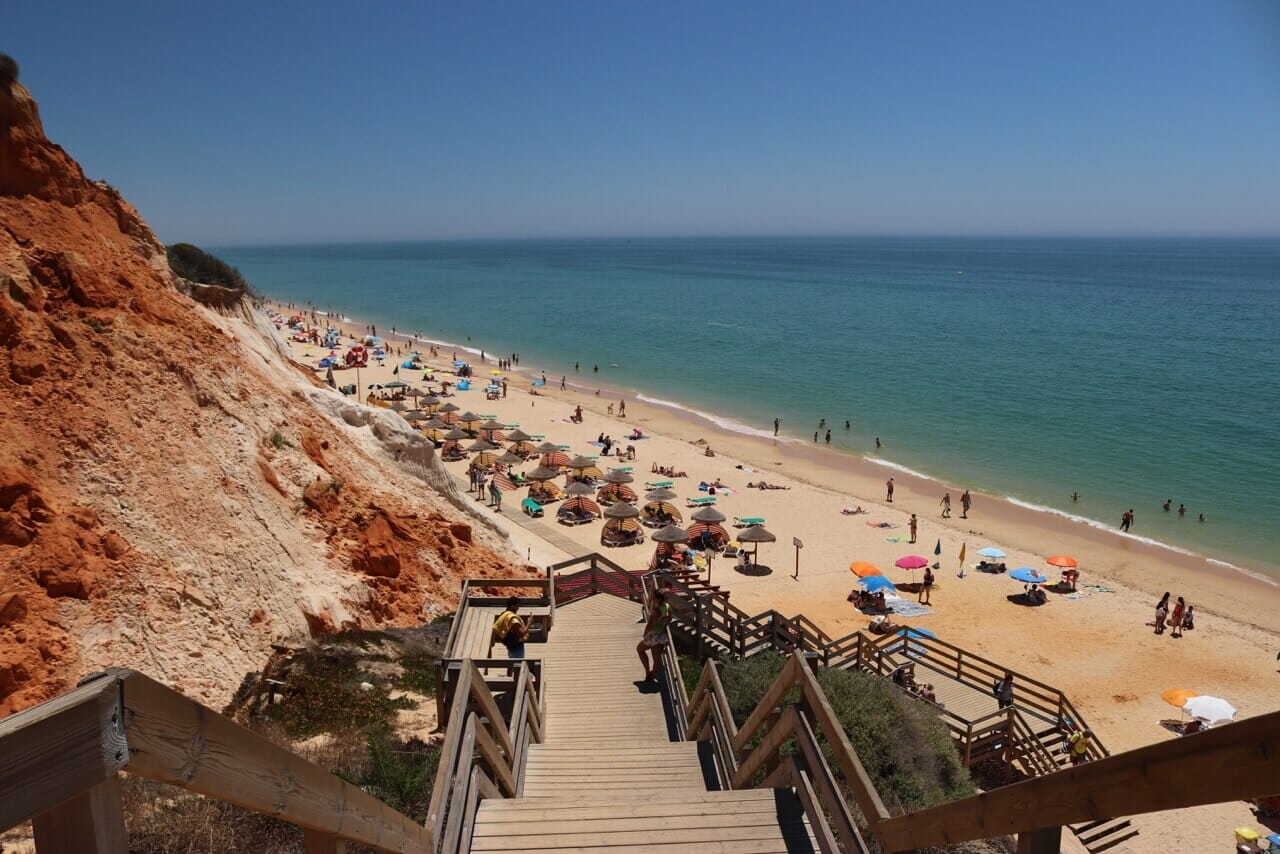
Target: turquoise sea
1130 371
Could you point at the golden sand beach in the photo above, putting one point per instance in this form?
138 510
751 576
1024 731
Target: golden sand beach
1097 647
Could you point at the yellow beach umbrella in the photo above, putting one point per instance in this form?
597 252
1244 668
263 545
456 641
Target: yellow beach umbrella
1177 697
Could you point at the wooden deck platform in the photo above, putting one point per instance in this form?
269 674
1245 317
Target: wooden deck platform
607 776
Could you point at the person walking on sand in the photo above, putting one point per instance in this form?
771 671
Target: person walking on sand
966 501
1126 521
828 436
1175 619
946 505
888 489
562 383
926 586
777 422
912 527
622 409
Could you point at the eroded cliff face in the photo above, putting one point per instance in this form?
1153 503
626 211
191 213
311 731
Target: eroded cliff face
174 496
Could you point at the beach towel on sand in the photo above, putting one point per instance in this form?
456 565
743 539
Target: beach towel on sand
897 539
906 607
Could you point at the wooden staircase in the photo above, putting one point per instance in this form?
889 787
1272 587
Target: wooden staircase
608 775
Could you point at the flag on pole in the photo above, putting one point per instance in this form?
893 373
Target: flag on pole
937 550
396 372
963 547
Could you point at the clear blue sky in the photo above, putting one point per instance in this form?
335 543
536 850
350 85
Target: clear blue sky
310 121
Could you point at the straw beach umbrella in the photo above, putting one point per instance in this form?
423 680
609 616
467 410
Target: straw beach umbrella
542 474
756 534
670 534
510 459
621 510
618 476
548 447
578 489
663 495
708 514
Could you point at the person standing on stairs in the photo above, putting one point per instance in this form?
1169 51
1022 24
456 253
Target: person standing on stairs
655 635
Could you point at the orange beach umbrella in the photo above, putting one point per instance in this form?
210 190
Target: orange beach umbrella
1177 697
862 569
1061 560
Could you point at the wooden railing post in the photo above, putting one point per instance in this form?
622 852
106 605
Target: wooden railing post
1045 841
315 842
595 575
700 618
92 822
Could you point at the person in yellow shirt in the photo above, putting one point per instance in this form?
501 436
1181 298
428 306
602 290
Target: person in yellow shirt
510 629
1078 746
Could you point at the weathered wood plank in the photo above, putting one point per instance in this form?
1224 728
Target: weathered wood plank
60 748
178 741
91 822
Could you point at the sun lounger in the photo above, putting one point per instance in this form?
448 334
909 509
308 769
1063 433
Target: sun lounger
705 501
658 484
747 521
731 549
572 519
531 507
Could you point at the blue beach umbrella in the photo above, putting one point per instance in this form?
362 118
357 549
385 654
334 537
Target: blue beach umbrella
991 551
1027 576
872 583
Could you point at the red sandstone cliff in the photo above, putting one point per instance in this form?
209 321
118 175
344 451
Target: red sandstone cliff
173 496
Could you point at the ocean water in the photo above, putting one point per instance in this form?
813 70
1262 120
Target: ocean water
1129 371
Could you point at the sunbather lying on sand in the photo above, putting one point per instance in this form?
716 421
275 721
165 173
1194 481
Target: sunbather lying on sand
764 484
853 511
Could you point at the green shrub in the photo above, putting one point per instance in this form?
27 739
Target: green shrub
323 694
279 441
399 773
905 749
192 262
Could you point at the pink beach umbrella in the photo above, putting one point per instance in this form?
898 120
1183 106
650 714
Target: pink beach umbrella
912 563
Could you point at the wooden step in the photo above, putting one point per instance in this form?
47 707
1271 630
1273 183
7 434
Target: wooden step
758 820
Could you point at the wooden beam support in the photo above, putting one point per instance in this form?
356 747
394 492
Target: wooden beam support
1228 763
178 741
315 842
1047 840
91 822
60 748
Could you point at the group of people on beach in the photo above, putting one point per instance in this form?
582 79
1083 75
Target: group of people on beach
1181 618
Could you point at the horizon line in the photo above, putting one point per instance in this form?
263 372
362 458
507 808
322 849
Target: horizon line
372 241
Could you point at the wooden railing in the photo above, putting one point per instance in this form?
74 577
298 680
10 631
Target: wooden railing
61 764
482 755
1227 763
598 575
778 746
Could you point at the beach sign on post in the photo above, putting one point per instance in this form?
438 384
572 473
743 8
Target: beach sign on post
795 541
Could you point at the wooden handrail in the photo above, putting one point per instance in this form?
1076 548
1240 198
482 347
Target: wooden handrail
481 750
1229 763
124 720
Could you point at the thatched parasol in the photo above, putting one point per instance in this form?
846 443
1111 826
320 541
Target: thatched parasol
670 534
662 495
542 473
518 435
575 489
707 514
621 510
548 447
618 476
